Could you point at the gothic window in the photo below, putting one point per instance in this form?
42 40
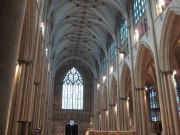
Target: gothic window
104 63
139 8
140 19
72 95
112 51
123 31
153 104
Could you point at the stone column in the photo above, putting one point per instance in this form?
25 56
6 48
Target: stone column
169 124
95 109
102 120
171 103
125 115
11 16
142 112
174 104
131 57
121 108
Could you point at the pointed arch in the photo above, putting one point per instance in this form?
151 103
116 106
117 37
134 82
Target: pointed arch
169 38
144 58
170 55
113 89
125 79
146 80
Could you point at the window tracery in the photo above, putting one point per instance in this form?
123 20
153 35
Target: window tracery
112 50
153 104
140 19
123 31
72 96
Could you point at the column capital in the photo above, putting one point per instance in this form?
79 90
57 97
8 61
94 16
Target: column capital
24 122
36 83
166 72
104 109
123 98
23 61
140 89
111 105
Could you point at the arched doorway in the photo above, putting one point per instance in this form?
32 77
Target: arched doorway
71 128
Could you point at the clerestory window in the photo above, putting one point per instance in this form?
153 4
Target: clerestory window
139 8
72 95
112 50
123 31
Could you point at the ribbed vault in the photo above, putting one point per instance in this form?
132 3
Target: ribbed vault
81 30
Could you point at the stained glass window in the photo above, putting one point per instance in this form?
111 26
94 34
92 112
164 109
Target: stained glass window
104 63
72 96
153 105
112 51
123 31
139 9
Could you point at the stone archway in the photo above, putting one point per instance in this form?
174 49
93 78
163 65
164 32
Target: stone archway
170 61
126 99
145 74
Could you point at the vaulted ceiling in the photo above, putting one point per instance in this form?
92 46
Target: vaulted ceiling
81 30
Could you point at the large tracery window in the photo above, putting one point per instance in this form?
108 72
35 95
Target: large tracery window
140 19
72 96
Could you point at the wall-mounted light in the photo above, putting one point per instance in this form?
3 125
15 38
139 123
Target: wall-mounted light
161 3
111 70
17 68
46 51
42 27
104 78
174 72
146 88
136 35
160 6
98 86
121 57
